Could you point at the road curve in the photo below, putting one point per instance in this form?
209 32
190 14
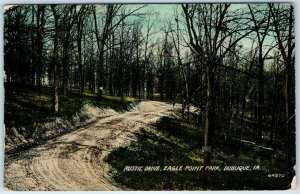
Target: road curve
75 161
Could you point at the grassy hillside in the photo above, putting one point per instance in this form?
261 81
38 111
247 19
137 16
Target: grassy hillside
25 107
175 142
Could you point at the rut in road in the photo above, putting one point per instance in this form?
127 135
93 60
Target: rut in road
75 161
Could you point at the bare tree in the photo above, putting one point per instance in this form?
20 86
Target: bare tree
207 31
80 30
111 11
283 23
54 61
261 26
40 23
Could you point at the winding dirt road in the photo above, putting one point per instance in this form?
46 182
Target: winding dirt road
75 161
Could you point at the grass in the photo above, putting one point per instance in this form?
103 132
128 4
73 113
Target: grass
178 143
118 99
25 106
152 150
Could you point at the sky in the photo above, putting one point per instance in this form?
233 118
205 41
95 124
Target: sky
167 10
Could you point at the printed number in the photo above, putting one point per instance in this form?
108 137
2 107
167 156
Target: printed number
276 175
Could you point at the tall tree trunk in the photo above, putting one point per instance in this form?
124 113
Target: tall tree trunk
209 127
275 103
246 86
40 33
288 110
33 54
287 56
100 68
161 88
81 75
64 73
288 96
260 100
80 65
54 61
65 63
100 45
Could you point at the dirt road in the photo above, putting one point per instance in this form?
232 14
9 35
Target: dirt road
75 161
